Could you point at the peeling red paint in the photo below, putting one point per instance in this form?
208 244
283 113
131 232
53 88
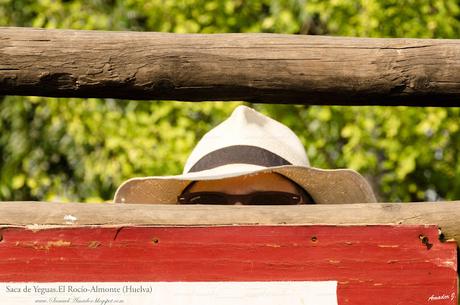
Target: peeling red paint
94 244
372 264
42 245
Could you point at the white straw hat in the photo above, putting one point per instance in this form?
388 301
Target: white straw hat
247 143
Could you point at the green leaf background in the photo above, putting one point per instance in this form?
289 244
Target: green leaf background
56 149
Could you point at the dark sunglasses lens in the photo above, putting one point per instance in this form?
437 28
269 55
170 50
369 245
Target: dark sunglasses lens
207 198
274 198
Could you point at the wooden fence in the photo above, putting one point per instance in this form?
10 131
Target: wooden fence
267 68
43 215
253 67
389 253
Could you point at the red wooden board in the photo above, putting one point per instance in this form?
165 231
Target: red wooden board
372 264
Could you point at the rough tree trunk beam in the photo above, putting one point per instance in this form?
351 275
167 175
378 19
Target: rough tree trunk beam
268 68
41 215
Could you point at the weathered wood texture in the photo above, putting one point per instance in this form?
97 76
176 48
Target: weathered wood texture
252 67
34 214
383 265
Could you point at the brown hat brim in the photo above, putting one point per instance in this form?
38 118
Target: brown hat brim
334 186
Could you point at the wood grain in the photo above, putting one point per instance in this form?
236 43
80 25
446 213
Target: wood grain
384 264
40 214
268 68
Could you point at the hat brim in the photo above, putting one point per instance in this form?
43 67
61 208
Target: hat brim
335 186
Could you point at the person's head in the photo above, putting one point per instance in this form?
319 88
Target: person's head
249 159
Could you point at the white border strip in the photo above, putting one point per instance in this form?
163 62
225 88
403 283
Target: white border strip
171 293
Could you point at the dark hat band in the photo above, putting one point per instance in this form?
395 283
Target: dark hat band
238 154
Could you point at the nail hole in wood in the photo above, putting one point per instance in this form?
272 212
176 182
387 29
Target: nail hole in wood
425 241
314 239
441 235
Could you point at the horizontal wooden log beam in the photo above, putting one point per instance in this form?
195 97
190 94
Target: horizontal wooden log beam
268 68
41 214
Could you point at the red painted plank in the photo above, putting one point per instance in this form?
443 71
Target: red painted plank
390 264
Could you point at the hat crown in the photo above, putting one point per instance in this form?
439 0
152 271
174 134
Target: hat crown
248 128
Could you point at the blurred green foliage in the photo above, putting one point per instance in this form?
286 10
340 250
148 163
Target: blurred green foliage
80 150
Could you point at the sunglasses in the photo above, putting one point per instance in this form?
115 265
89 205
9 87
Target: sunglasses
261 198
